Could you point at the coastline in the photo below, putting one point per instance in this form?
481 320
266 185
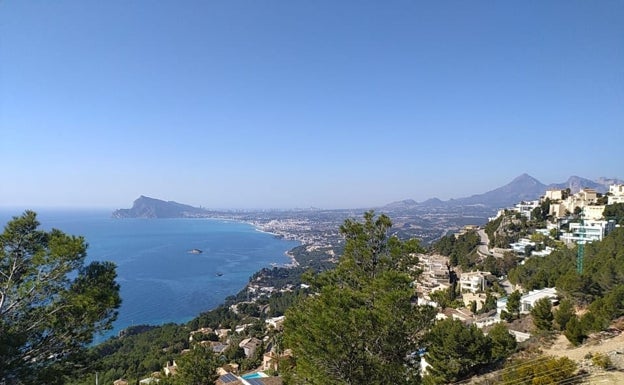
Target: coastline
293 261
263 228
141 303
288 253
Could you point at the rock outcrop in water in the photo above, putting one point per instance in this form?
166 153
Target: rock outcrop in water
145 207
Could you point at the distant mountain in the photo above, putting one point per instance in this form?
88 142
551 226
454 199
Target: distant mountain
401 205
576 183
145 207
432 202
522 188
609 181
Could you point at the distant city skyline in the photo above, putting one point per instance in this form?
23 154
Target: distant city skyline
350 104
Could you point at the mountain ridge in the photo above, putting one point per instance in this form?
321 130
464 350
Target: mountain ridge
523 187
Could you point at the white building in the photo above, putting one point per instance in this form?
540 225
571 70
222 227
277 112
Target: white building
275 322
499 214
473 281
526 207
523 246
592 230
527 301
616 194
542 253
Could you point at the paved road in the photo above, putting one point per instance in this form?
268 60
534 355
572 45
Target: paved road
483 247
485 241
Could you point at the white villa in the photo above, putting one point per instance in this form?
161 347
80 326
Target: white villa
591 230
616 194
523 246
527 301
473 281
526 207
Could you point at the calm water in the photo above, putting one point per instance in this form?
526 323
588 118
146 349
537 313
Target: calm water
160 280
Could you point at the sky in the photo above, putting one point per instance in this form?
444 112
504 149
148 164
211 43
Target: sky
294 104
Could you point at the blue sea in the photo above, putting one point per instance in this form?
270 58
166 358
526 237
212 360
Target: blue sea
160 280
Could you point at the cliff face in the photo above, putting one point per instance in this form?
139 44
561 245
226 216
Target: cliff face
145 207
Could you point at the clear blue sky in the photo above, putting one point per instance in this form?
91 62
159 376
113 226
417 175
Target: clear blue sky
279 104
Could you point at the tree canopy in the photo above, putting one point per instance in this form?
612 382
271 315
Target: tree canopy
542 314
51 302
361 326
455 351
197 367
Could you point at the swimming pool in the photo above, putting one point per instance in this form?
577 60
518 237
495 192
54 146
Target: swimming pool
254 375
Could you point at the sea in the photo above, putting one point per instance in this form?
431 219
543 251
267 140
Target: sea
161 280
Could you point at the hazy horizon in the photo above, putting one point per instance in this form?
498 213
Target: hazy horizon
96 207
280 105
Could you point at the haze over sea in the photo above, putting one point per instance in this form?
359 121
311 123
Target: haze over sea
160 280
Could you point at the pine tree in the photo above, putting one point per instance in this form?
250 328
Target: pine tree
542 314
51 303
361 326
455 351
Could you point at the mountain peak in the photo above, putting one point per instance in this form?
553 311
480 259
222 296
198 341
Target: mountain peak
525 178
576 183
404 204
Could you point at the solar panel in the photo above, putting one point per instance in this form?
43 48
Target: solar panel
229 377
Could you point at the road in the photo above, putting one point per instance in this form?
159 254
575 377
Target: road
483 248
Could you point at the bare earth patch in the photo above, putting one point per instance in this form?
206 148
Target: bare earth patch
613 347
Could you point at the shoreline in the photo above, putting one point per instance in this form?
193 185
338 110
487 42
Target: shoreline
288 253
290 262
262 229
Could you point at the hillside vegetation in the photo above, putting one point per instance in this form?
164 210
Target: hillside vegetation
357 322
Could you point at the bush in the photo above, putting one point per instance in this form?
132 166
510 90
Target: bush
602 361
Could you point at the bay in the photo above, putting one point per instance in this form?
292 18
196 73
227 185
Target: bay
161 281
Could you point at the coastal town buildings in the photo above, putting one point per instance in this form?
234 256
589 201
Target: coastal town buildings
471 285
585 199
616 194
